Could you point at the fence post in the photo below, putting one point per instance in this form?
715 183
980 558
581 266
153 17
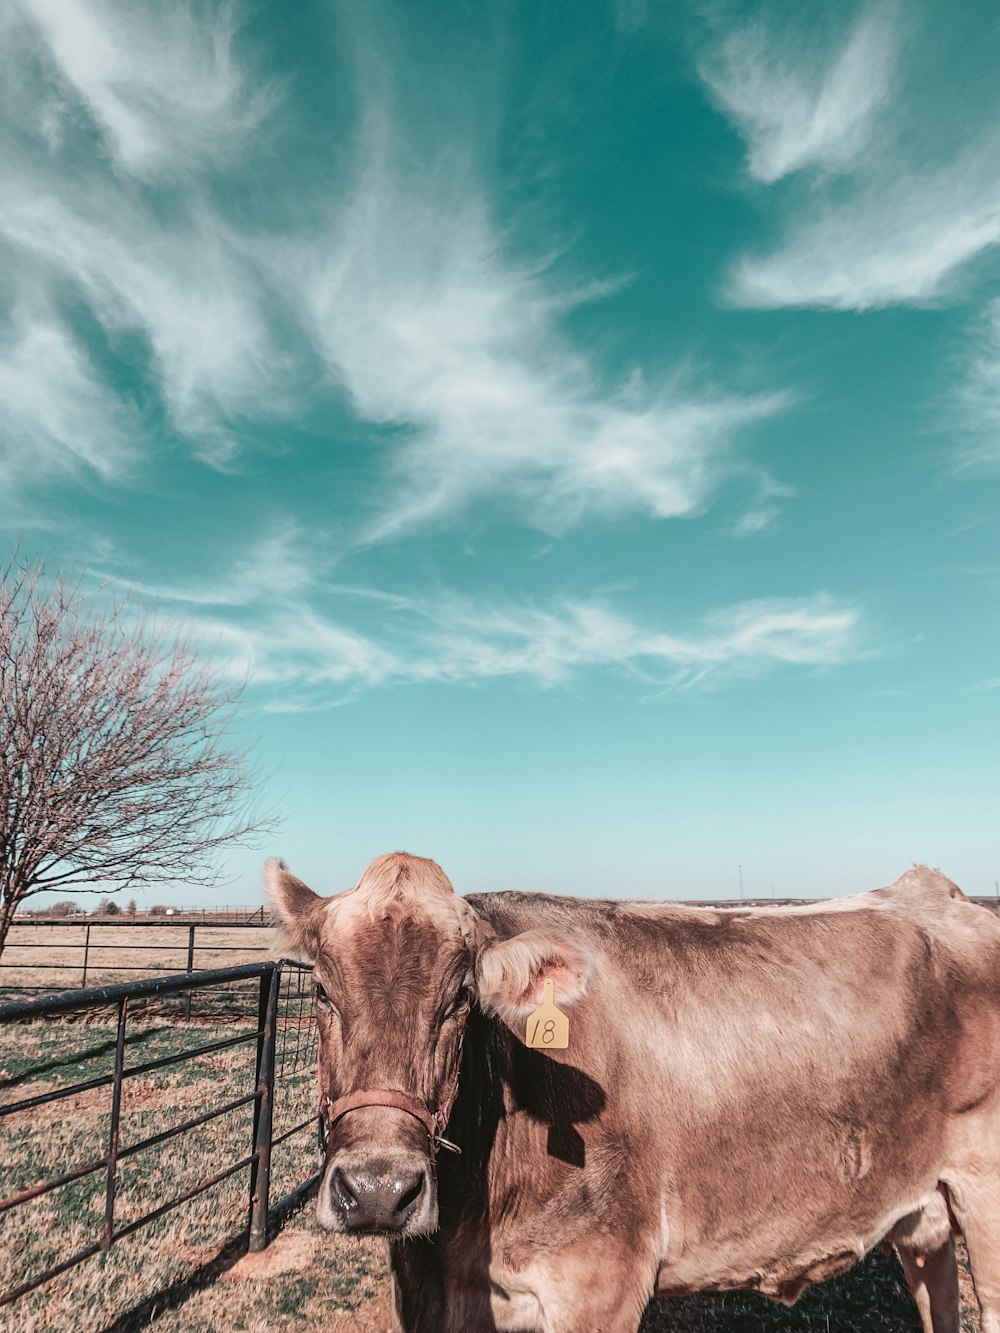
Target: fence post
116 1106
189 969
263 1118
86 953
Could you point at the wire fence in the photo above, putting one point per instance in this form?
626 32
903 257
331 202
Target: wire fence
47 956
124 1039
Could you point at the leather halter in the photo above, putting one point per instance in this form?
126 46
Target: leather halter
433 1121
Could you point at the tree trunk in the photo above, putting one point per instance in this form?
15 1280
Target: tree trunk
11 894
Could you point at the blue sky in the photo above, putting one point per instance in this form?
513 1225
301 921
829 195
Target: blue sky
581 424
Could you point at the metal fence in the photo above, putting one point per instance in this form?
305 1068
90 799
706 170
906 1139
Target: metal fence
95 952
285 1039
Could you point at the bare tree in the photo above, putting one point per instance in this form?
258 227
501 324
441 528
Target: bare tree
115 764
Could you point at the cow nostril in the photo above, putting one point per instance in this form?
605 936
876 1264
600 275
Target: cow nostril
369 1199
410 1192
343 1195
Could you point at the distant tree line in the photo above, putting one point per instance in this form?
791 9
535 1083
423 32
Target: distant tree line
106 907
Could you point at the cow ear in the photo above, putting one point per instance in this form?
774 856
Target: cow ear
293 905
511 974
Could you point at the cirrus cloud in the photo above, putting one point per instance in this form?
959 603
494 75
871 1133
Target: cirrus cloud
161 84
433 331
305 642
798 103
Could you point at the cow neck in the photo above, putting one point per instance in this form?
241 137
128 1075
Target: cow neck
433 1121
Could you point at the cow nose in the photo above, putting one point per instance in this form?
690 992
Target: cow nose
370 1199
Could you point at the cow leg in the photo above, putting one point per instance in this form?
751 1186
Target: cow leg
975 1201
610 1319
933 1279
594 1289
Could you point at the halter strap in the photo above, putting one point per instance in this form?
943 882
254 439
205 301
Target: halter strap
398 1101
433 1122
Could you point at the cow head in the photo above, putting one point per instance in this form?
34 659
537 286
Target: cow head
399 959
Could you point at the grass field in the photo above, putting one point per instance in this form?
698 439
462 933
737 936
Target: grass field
53 956
43 1141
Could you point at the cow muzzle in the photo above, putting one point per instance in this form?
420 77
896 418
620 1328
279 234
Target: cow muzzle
392 1192
388 1196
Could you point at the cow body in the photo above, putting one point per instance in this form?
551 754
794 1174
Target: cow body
749 1099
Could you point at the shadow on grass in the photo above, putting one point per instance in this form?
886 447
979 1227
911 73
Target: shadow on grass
172 1297
73 1059
871 1298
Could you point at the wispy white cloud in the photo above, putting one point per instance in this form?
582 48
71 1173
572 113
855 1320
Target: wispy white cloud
977 397
802 101
306 643
890 212
189 290
551 643
901 237
431 328
408 296
763 511
168 98
58 416
161 82
279 566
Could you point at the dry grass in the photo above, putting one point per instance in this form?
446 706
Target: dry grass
53 956
305 1279
41 1142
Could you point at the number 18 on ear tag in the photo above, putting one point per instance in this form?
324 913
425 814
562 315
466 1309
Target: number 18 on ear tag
548 1027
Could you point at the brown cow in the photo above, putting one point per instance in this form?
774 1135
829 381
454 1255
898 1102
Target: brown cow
749 1099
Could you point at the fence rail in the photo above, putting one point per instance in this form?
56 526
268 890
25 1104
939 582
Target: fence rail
84 950
223 916
284 1004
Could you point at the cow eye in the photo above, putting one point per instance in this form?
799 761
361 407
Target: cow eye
459 1004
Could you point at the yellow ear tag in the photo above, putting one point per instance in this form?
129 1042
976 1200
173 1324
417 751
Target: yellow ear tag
548 1027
